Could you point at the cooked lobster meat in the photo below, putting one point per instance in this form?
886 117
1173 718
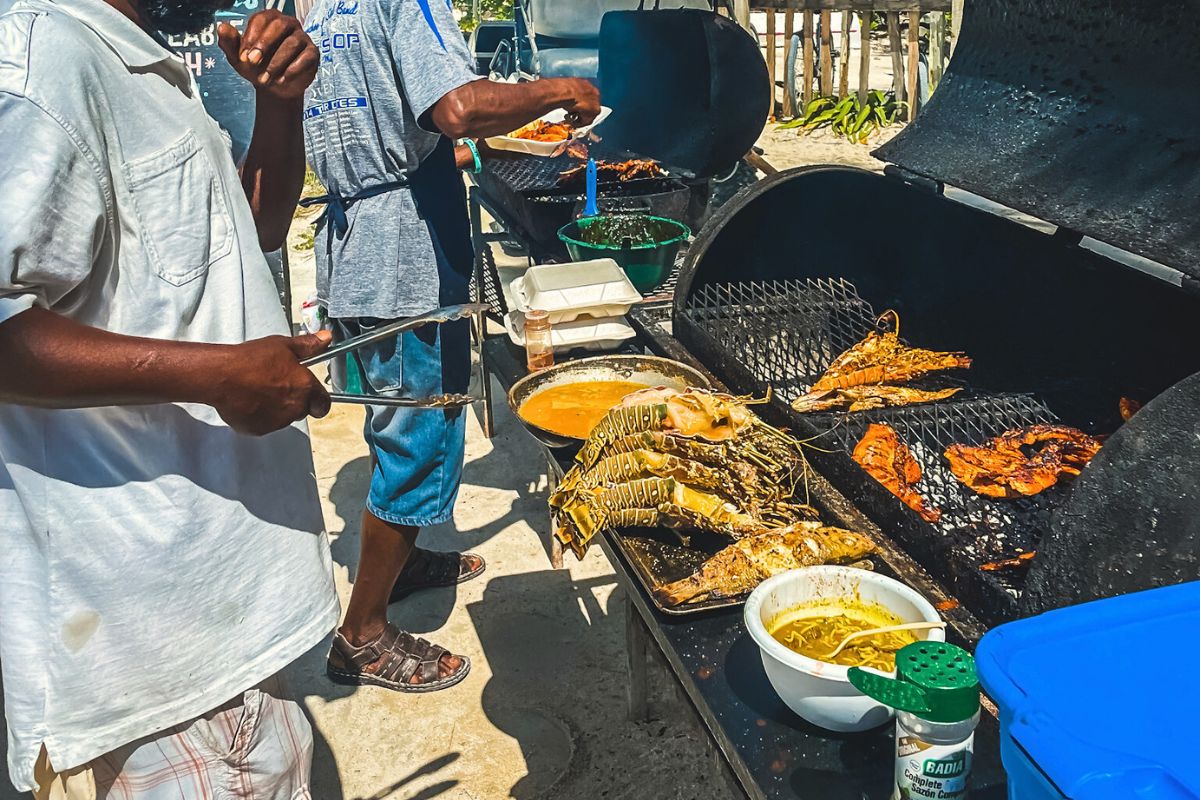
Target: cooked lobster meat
859 378
1022 560
865 398
542 131
889 461
1022 462
614 171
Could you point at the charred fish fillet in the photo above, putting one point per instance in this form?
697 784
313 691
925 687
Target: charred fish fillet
889 461
743 565
1022 462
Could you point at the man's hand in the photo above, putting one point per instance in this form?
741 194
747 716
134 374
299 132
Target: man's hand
584 105
273 53
264 387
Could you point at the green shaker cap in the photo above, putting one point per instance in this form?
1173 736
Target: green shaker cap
934 680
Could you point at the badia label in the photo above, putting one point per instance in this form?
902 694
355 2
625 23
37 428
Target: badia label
932 772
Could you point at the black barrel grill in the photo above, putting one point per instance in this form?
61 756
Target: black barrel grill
1051 118
688 89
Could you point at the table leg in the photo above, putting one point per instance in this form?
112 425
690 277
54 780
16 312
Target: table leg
553 475
480 322
638 684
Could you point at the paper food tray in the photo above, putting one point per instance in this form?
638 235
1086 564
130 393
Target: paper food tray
570 291
544 149
586 333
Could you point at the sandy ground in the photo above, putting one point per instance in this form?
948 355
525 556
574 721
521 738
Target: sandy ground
543 713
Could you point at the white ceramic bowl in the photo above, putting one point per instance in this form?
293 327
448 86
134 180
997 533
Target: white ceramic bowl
820 692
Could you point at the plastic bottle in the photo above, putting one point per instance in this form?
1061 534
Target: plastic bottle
936 697
539 352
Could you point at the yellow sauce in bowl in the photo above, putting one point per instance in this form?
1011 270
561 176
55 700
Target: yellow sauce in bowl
573 409
816 631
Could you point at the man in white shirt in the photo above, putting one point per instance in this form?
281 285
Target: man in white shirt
162 552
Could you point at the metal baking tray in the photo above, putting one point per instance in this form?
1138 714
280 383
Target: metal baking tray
658 556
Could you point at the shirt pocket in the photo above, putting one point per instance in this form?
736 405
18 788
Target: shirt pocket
181 209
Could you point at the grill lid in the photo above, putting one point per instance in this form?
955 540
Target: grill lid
1074 111
687 87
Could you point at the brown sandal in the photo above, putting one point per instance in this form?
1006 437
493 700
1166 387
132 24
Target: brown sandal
404 656
428 569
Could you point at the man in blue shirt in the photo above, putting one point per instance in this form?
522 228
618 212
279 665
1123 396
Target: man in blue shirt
395 86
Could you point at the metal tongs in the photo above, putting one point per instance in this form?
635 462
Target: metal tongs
435 317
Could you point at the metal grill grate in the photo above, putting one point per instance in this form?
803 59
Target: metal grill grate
786 332
983 529
529 173
782 335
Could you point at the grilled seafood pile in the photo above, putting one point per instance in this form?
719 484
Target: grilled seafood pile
614 171
1024 461
542 131
690 459
889 461
749 561
866 376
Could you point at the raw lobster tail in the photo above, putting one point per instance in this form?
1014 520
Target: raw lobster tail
691 459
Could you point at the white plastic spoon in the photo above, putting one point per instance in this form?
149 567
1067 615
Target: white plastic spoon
908 626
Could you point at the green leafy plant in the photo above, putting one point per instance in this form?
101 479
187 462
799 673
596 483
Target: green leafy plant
847 116
488 9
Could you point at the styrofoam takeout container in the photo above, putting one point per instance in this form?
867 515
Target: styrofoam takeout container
544 149
586 333
569 291
818 691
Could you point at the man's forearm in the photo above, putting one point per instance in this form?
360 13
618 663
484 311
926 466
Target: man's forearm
273 175
52 361
489 108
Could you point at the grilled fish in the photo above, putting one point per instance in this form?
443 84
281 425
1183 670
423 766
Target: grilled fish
1006 467
865 398
748 562
889 461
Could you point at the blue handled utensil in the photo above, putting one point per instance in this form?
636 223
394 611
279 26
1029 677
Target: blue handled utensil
589 207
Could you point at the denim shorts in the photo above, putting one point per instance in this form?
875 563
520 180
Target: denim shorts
417 454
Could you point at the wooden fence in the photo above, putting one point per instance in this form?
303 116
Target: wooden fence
904 75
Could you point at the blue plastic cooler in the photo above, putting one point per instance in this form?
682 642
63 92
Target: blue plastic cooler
1100 701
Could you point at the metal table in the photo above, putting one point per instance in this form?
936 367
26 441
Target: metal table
771 752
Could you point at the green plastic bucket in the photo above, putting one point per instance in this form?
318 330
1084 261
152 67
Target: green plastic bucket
647 253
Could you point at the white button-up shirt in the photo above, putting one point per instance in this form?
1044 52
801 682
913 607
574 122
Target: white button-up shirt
153 563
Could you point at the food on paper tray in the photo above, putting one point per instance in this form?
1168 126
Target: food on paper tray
817 632
749 561
543 131
682 459
864 376
573 409
1023 461
889 461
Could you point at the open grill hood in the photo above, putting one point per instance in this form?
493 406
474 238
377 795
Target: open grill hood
687 87
1046 110
1078 112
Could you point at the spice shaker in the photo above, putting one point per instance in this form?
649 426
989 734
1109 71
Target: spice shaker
539 352
936 697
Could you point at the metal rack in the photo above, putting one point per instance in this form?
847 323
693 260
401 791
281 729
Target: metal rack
780 336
